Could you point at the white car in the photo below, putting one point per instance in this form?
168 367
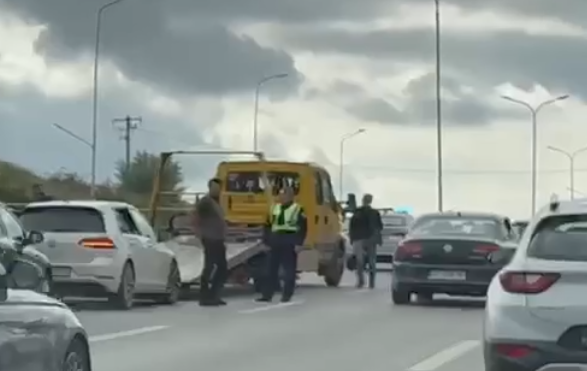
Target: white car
536 311
104 249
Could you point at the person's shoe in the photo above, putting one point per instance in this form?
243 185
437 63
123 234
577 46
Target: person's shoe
360 285
219 302
286 299
263 300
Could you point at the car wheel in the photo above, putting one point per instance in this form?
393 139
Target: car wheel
124 298
77 357
400 297
173 285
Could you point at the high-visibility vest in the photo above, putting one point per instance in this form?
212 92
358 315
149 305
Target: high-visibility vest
290 218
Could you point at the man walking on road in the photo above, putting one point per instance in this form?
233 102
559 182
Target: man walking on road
210 227
285 231
365 229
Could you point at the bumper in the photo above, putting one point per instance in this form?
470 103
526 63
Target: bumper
545 356
97 278
415 278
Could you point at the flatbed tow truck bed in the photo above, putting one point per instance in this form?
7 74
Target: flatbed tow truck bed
190 255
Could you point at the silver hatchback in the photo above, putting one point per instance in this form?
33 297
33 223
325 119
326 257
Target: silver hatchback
395 227
536 311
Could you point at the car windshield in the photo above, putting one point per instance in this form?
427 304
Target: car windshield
63 219
486 227
560 238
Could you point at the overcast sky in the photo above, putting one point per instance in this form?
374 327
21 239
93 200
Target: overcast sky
189 69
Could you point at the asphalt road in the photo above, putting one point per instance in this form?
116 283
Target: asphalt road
342 329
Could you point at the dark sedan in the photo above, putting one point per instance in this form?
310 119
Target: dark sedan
451 253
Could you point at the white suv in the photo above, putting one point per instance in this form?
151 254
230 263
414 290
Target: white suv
536 312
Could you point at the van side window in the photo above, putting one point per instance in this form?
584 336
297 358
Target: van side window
326 191
318 188
329 190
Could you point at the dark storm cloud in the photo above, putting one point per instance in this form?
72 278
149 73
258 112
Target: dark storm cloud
29 138
556 62
459 106
153 41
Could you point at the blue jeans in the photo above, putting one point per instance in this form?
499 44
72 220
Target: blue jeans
365 255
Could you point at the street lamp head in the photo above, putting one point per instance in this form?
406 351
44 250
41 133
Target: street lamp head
361 130
563 97
281 75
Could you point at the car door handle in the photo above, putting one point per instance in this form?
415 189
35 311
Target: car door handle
326 219
316 219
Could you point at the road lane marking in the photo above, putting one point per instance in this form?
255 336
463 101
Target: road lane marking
436 361
125 334
271 307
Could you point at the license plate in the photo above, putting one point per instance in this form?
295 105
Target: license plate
61 271
447 275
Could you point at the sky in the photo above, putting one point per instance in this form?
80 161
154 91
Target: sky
189 69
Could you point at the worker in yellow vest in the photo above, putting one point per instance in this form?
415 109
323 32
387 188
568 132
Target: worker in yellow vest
284 233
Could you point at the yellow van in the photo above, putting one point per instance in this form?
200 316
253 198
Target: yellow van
246 205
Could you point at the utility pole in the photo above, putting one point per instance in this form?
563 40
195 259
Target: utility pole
129 124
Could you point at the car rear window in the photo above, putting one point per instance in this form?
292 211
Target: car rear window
484 227
63 219
562 237
394 225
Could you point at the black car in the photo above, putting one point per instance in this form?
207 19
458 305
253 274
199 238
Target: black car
455 253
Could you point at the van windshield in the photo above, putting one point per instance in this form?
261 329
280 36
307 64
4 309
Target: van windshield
251 181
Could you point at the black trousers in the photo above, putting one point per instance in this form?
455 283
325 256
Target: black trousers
215 271
285 257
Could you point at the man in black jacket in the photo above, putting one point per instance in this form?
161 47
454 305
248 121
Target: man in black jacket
365 234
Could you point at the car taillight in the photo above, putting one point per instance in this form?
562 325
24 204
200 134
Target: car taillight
516 351
97 243
486 248
407 250
527 282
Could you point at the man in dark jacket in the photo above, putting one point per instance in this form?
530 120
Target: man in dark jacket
285 231
39 194
210 227
365 234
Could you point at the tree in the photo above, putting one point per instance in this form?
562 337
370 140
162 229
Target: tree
138 177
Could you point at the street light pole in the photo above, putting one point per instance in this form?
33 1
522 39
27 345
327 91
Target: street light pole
341 159
571 156
95 92
439 151
534 113
256 113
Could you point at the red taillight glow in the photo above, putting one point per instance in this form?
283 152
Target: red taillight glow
527 282
516 351
97 243
486 248
407 249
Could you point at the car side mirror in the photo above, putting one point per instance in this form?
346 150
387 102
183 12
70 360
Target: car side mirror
351 202
34 237
3 283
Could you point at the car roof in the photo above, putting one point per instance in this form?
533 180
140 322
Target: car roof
563 207
95 204
464 214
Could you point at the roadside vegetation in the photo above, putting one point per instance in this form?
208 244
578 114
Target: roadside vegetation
132 184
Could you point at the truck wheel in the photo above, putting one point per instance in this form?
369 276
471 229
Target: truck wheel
333 273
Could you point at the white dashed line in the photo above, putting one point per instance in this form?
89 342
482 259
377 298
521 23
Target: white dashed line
436 361
125 334
270 307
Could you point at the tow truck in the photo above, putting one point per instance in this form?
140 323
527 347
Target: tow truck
248 192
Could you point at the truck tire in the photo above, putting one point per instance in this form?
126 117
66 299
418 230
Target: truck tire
334 272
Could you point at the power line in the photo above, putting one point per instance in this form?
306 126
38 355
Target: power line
462 171
129 125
